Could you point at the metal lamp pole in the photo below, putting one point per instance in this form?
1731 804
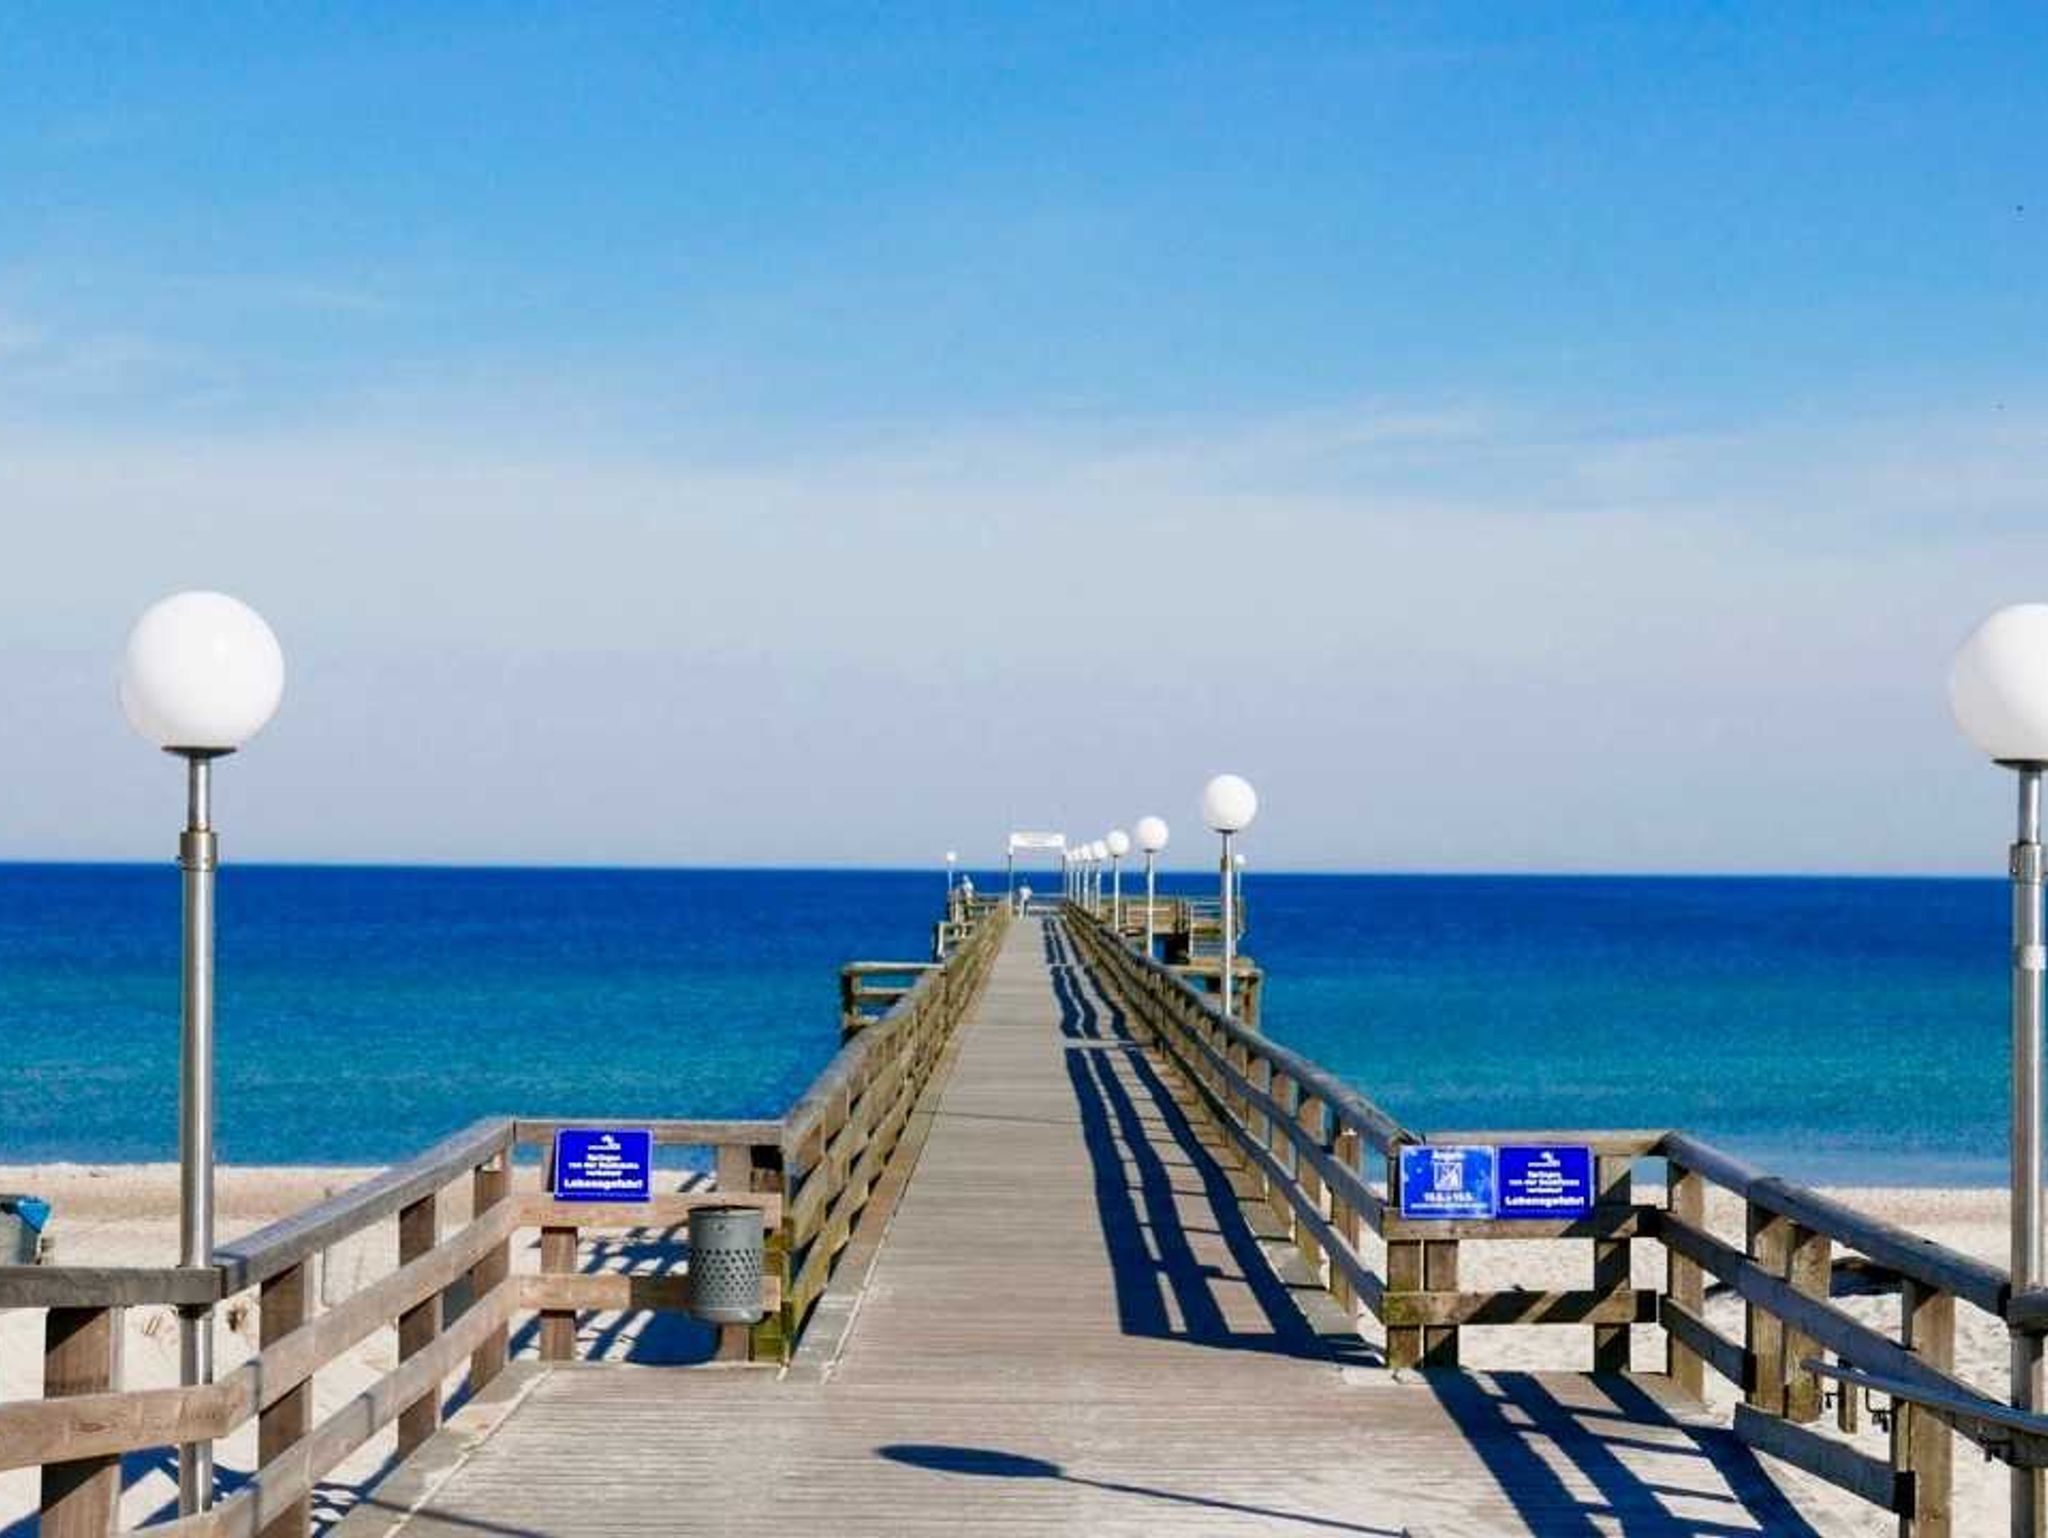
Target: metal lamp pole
1228 806
1151 917
1998 690
198 859
202 674
2028 960
1152 835
1118 844
1229 924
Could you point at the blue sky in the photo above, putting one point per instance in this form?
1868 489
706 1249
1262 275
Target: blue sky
677 402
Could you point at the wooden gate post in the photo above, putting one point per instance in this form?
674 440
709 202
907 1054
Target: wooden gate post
81 1355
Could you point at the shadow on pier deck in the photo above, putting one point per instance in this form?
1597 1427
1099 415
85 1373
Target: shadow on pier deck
1084 1318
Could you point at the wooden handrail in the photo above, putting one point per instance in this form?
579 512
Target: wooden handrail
1344 1101
845 1129
254 1257
1910 1254
107 1286
669 1132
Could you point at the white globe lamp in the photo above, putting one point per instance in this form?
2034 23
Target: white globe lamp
1998 685
1998 691
1228 805
201 675
1151 833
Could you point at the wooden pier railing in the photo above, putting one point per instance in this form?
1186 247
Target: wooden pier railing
839 1137
1328 1159
455 1294
868 990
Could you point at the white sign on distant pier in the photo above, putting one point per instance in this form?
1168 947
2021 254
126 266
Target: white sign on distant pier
1022 841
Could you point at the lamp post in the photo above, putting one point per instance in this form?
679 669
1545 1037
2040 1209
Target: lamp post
1237 870
1152 836
1228 806
1998 689
1098 853
1118 843
952 859
201 674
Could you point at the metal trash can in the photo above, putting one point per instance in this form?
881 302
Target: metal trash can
725 1264
22 1221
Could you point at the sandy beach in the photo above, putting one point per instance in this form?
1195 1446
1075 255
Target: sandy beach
127 1215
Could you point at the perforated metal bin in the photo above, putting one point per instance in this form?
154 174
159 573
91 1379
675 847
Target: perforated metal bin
725 1264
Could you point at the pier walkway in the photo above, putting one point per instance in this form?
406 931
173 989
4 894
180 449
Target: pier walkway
1081 1318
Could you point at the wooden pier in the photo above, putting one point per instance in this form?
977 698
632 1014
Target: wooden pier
1054 1247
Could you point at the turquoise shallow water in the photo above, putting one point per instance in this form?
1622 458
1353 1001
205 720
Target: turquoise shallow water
1838 1030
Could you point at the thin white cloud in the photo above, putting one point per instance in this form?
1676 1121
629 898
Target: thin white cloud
1599 648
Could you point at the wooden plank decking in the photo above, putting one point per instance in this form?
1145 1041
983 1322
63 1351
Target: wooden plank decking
1077 1325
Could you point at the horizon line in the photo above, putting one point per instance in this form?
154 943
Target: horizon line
937 870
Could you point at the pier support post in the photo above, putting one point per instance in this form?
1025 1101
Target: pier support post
81 1355
1770 1243
1309 1116
1611 1271
419 1230
490 1184
1347 1220
1921 1444
558 1325
1810 1263
284 1304
735 1174
1685 1197
1440 1274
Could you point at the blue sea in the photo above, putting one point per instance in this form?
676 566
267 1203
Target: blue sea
1837 1030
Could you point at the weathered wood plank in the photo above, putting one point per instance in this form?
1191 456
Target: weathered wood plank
107 1286
490 1187
668 1209
244 1262
1428 1308
278 1486
81 1356
1908 1253
1704 1345
1608 1220
419 1232
1685 1359
558 1247
90 1425
1923 1448
1824 1458
669 1132
296 1356
284 1307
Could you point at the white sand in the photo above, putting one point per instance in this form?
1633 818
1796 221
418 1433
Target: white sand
127 1215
